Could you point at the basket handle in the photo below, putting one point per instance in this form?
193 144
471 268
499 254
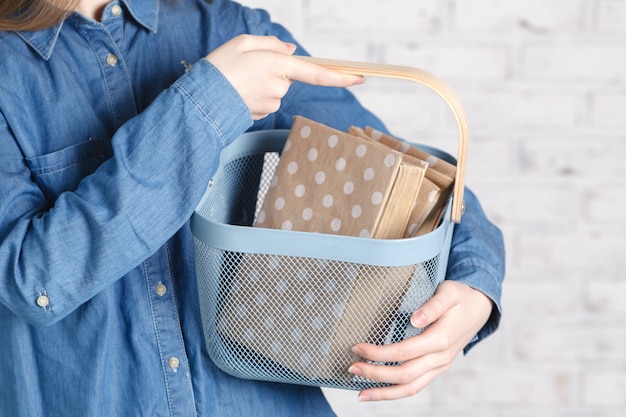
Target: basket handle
438 86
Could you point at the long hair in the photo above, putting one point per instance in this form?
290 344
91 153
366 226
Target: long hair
33 14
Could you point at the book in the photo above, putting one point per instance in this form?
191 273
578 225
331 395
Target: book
429 193
440 173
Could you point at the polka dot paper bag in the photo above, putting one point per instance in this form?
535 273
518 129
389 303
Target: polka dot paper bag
331 182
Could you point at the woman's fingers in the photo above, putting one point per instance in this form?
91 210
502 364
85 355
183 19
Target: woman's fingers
446 297
405 373
414 347
396 392
246 43
314 74
455 315
262 68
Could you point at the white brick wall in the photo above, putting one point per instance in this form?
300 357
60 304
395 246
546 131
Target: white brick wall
544 86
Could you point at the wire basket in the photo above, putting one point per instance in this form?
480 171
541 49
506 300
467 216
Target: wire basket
288 306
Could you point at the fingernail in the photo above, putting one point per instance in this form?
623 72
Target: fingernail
356 350
360 80
354 370
364 398
418 319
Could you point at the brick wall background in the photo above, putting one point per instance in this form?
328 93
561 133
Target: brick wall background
544 86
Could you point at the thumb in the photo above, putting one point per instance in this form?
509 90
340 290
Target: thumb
446 296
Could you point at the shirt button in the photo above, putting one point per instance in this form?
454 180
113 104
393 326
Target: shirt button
161 289
43 301
116 10
111 60
173 362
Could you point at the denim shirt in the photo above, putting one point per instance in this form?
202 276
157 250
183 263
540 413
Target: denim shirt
109 134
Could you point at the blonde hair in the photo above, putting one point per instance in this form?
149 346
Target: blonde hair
33 14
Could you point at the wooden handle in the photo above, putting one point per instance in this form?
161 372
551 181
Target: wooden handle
438 86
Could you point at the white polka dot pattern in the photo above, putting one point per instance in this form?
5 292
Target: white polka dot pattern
288 298
302 195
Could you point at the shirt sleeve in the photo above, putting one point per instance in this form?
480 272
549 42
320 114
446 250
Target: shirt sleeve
477 259
52 259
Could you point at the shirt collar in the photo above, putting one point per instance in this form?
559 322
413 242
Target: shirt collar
145 12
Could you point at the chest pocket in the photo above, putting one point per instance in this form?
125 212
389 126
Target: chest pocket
63 170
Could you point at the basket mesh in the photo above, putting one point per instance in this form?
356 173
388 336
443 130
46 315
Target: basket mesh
295 319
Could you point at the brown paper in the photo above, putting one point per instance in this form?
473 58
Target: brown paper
328 181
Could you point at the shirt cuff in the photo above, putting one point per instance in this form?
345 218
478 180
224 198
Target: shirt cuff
481 279
217 100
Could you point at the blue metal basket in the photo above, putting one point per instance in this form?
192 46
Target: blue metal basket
225 244
288 306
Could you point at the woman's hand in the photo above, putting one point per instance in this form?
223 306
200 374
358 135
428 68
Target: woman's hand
261 69
457 312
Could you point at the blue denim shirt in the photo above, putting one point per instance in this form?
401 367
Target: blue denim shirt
108 138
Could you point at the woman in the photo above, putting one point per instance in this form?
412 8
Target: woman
112 118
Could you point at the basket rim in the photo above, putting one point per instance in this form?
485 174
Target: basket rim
378 252
248 239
